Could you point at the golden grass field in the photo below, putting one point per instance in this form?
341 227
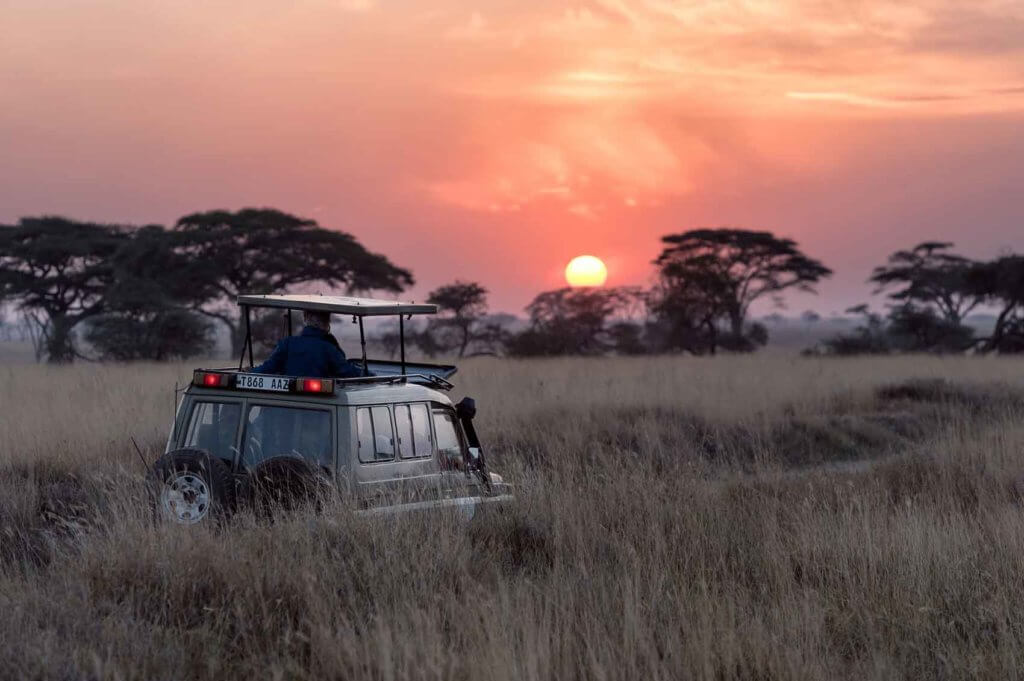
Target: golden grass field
759 517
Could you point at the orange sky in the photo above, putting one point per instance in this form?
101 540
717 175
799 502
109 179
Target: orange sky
496 140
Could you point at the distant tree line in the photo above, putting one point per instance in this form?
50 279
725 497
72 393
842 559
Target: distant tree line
931 290
707 280
119 292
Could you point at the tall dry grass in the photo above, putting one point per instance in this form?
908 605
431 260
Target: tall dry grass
756 517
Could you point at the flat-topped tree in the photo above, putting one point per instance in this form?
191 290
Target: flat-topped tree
464 305
742 265
262 250
57 271
930 275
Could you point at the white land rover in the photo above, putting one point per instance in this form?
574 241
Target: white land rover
388 441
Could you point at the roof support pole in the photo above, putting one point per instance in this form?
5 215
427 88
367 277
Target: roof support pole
241 357
288 314
401 338
362 343
248 335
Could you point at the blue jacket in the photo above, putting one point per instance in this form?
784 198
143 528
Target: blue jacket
308 354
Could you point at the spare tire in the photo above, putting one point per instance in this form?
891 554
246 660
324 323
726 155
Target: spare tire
188 486
286 483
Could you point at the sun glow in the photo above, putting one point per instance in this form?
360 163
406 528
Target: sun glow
585 270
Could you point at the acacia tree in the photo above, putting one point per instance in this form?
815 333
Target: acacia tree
723 271
57 271
262 250
930 275
462 306
572 321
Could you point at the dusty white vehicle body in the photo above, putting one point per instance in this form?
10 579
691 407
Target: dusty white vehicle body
387 442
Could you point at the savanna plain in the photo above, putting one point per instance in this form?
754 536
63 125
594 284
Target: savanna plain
758 517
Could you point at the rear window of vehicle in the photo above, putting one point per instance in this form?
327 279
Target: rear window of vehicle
213 427
288 431
375 433
412 422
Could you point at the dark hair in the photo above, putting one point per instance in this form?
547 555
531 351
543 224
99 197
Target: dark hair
321 320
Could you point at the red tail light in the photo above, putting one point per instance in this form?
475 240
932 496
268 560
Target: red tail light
314 385
210 380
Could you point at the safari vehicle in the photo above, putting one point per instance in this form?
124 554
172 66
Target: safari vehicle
389 441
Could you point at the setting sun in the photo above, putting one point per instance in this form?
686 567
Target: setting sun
586 270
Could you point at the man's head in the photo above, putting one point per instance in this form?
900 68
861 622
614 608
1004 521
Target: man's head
321 320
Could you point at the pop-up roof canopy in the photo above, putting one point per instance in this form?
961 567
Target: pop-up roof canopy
359 307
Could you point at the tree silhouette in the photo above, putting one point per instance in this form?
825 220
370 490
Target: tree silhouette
711 274
462 306
262 250
57 271
929 275
572 321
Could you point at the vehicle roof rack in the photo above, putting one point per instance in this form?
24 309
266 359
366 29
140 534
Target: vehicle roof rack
419 379
347 305
358 307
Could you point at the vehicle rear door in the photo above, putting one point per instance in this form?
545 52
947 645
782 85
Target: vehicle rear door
279 428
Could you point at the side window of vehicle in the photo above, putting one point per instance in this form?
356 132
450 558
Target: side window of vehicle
213 427
413 425
376 436
403 426
288 431
421 429
449 445
364 433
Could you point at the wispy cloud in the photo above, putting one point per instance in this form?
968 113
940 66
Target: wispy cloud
607 101
847 98
624 71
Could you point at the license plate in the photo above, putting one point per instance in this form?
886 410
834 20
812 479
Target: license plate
258 382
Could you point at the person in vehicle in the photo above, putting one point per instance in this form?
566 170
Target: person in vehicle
311 353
